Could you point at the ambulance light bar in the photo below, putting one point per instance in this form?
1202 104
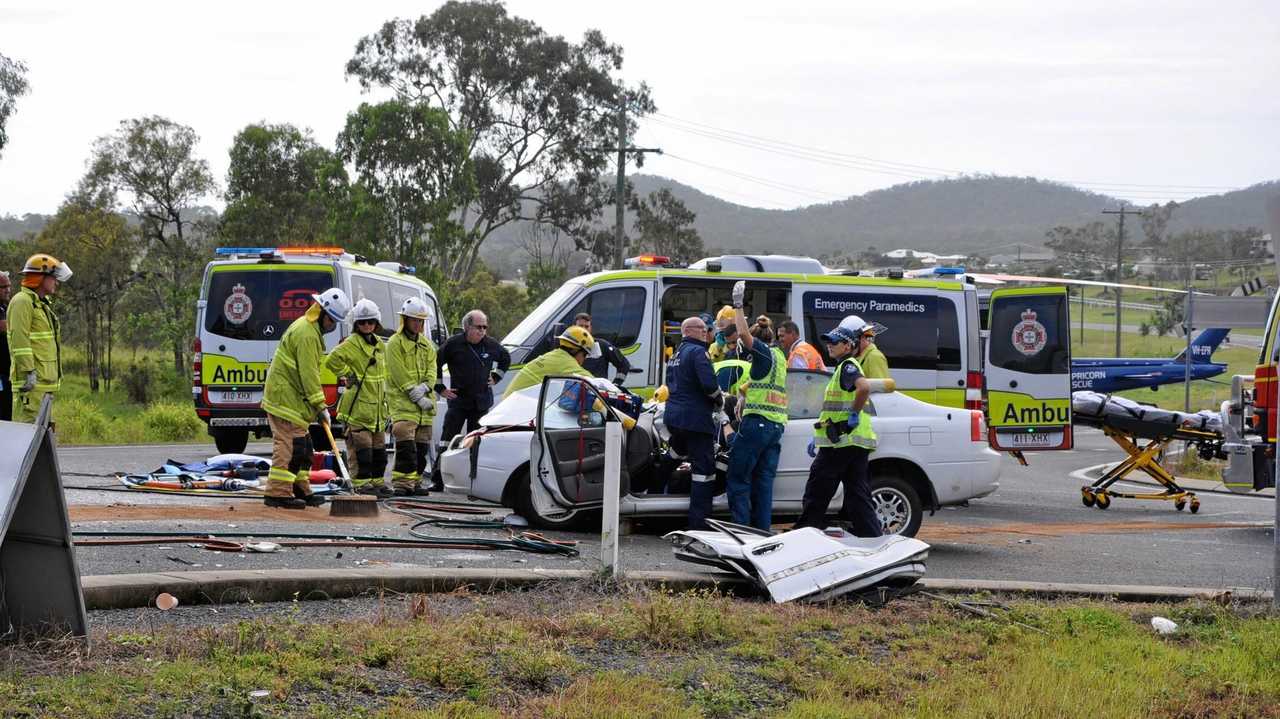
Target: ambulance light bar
300 250
647 261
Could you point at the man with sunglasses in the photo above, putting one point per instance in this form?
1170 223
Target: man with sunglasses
476 362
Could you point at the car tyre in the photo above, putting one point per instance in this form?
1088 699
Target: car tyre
230 441
579 520
897 504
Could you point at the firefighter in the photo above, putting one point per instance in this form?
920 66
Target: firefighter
870 358
35 340
6 387
843 440
753 460
800 354
363 408
693 401
411 377
576 345
293 397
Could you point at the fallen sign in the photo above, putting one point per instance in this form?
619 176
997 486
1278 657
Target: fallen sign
808 563
39 581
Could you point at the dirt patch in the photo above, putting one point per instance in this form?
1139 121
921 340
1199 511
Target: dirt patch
221 512
1000 533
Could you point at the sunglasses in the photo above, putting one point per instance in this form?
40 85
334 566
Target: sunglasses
479 327
366 322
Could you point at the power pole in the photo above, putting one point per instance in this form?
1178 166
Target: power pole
1122 212
619 209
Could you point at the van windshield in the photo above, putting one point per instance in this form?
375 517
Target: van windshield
532 328
259 302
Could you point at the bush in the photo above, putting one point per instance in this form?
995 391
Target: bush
137 383
171 422
78 421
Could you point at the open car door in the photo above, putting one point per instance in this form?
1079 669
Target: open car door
1028 369
566 454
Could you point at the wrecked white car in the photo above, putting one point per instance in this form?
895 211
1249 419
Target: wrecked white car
928 457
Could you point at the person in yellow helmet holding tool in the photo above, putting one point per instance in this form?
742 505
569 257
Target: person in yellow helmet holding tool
363 407
293 397
842 440
575 346
35 340
411 377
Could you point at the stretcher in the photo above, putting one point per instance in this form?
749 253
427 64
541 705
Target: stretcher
1144 432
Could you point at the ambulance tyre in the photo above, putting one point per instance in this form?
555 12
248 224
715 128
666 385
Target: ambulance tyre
522 502
897 504
230 441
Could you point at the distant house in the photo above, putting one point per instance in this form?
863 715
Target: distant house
1148 265
927 258
1263 246
1022 259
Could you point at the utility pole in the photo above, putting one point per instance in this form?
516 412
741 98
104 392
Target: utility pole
1122 212
619 209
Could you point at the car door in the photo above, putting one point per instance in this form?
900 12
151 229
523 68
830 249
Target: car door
1028 369
566 454
805 390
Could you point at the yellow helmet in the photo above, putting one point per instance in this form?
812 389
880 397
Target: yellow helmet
42 264
725 313
577 339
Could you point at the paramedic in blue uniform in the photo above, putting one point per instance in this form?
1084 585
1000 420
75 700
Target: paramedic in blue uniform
694 399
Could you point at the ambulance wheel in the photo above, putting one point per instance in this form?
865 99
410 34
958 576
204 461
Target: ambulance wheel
522 503
1102 500
1195 505
897 505
1086 496
230 441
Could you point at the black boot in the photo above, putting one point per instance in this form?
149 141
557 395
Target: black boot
284 502
310 499
381 491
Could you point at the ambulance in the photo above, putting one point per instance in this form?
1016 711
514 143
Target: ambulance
248 297
1021 374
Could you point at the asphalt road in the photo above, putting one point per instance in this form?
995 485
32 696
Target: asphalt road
1034 529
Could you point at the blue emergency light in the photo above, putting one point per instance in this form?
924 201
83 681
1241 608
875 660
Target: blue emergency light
243 250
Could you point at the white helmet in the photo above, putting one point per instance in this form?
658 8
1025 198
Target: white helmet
414 307
366 309
335 302
852 328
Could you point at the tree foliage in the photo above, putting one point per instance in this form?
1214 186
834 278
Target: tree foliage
664 226
535 108
13 84
282 188
413 171
152 161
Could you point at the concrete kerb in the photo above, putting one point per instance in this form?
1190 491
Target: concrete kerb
125 591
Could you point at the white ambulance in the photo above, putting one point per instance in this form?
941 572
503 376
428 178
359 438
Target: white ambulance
932 344
249 296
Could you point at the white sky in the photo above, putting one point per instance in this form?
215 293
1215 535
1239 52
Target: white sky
1158 96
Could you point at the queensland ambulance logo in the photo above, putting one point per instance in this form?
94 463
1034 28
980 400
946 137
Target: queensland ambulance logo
238 306
1029 336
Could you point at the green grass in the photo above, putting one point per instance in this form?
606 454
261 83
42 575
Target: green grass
659 654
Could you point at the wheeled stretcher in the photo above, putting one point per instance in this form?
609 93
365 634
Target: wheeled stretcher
1144 432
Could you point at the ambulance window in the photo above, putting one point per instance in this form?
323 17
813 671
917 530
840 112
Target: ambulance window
911 338
948 337
253 304
378 290
1029 334
616 314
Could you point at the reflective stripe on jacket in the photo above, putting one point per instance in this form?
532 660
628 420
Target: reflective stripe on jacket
35 341
837 404
768 397
363 405
293 391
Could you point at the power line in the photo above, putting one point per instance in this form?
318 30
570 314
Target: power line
818 194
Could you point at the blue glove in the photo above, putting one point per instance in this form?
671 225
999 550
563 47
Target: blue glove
813 447
854 419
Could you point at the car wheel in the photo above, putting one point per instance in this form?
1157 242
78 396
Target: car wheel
897 505
230 441
569 520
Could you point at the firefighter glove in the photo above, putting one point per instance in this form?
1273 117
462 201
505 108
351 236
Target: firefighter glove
29 383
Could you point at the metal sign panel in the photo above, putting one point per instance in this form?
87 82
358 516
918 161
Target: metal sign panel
39 581
1230 312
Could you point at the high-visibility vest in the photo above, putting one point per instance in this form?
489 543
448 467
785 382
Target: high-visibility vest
836 404
768 397
807 352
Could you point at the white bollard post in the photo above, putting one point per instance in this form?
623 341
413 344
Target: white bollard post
612 487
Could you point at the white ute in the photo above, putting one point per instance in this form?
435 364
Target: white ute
928 457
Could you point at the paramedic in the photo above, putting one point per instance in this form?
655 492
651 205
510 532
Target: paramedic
694 398
800 354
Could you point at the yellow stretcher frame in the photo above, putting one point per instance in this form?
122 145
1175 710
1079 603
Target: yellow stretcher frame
1130 435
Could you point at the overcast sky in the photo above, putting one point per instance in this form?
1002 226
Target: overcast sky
765 104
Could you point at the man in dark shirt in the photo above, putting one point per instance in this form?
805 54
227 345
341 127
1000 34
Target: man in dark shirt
476 362
597 366
6 392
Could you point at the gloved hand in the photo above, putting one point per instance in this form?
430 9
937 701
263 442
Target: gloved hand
720 418
739 293
854 419
424 403
813 447
30 382
417 392
617 381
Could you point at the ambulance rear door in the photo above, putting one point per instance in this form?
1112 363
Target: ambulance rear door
1028 369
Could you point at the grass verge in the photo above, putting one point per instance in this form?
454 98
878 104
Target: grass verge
657 654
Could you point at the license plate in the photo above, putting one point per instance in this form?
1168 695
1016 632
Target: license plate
237 397
1029 440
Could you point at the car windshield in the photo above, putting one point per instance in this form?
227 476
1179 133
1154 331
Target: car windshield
532 328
